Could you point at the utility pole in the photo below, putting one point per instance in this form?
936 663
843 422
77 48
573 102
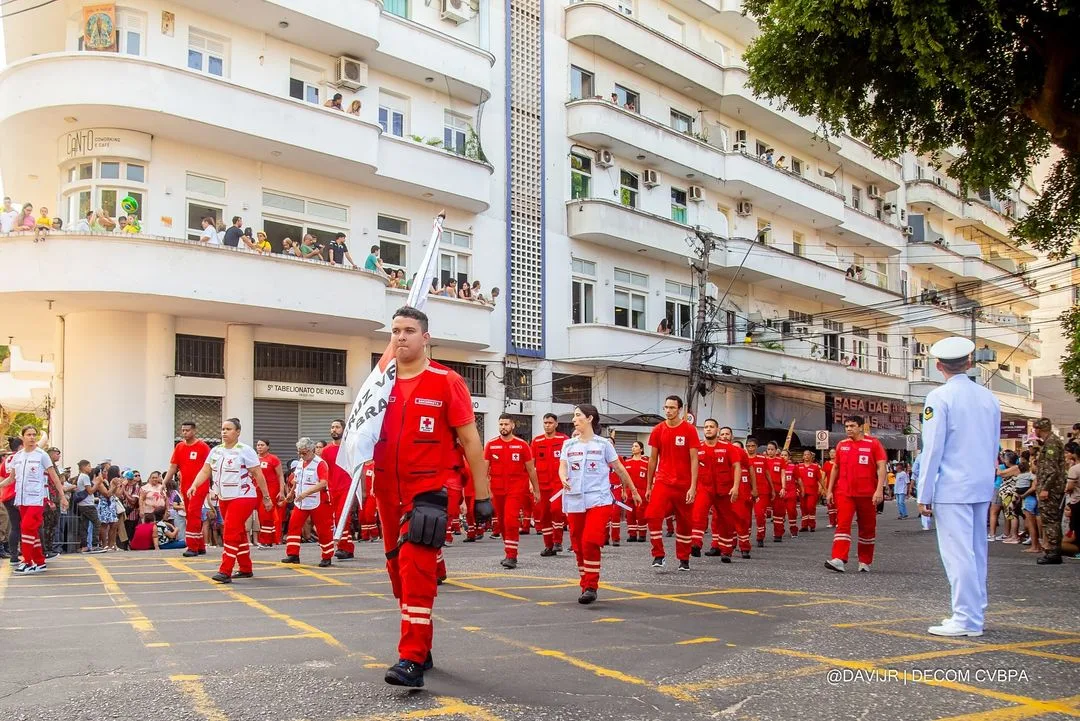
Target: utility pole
703 246
975 352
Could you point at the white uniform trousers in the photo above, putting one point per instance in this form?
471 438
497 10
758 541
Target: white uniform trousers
961 535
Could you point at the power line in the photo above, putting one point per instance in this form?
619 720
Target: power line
24 10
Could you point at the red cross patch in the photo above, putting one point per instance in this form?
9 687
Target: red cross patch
592 465
427 424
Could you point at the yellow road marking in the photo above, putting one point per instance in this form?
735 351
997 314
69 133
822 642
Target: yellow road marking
313 574
964 647
676 599
447 706
693 641
495 592
192 688
912 619
263 608
609 620
5 575
830 601
1010 713
142 625
251 639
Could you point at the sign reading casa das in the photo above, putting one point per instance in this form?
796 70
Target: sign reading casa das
880 413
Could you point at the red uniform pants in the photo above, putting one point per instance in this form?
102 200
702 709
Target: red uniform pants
412 577
635 518
29 531
470 517
667 500
744 512
507 508
453 510
704 502
369 529
724 519
809 512
762 512
550 517
322 518
791 509
345 544
526 513
270 522
615 522
587 532
864 509
235 514
831 508
194 536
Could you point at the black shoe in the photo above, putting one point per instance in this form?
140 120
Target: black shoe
761 543
695 551
325 563
508 562
658 562
189 554
405 673
669 534
52 554
615 543
587 596
813 530
291 559
243 574
494 535
712 552
777 539
526 532
429 662
469 540
746 554
684 565
725 559
221 577
1049 560
558 548
343 556
548 552
202 551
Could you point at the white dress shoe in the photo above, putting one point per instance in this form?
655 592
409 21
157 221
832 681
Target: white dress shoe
949 629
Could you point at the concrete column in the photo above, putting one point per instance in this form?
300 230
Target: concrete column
240 377
56 413
357 364
160 384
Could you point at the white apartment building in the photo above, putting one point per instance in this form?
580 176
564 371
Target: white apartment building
612 131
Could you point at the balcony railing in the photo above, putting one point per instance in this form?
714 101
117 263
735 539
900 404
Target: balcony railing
786 171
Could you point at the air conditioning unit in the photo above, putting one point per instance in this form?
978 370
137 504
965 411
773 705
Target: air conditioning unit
873 191
351 73
801 330
920 349
739 146
649 178
908 231
889 208
695 193
457 11
604 159
918 364
744 208
712 291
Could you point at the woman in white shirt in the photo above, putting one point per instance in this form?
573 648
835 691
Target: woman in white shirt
31 470
311 499
587 460
231 467
210 234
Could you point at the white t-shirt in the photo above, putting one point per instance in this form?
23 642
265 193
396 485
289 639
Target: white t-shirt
7 220
587 468
31 476
901 482
211 234
229 471
84 484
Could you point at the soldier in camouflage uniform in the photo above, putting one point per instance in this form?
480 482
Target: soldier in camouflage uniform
1050 472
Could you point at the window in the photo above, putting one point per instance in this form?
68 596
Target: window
87 192
393 110
797 166
583 286
678 309
833 325
207 53
883 338
627 98
396 226
764 232
522 425
628 188
397 7
796 316
455 129
304 82
204 186
626 7
760 148
519 385
682 122
858 349
883 359
630 289
581 83
299 364
200 356
320 219
196 211
135 173
580 176
393 242
798 244
571 389
452 264
856 197
204 411
109 170
130 32
678 205
474 375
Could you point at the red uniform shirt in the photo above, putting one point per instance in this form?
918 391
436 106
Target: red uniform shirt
638 468
339 481
546 453
774 468
269 464
758 464
9 491
673 448
189 460
369 478
810 475
856 462
826 470
506 460
719 461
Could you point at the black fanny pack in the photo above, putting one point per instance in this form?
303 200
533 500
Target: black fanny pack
427 522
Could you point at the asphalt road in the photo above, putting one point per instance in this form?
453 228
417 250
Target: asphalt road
148 636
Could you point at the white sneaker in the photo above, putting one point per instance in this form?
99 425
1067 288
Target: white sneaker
999 537
864 568
40 568
24 569
951 629
835 564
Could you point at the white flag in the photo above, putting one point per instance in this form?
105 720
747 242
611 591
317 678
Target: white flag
364 425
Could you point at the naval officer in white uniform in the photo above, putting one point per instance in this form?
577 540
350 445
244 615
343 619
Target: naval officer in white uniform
960 429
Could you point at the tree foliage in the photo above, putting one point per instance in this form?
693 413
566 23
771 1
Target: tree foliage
1070 361
998 79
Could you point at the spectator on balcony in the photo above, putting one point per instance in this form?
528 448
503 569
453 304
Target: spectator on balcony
131 225
84 225
42 225
7 216
288 247
477 294
209 234
339 251
334 102
398 279
354 108
615 98
262 245
248 239
494 295
767 156
25 219
234 233
465 292
101 222
311 247
121 223
664 328
408 285
374 262
780 162
434 289
450 290
57 223
630 106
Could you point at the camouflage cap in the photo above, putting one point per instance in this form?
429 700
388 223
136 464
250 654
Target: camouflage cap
1043 424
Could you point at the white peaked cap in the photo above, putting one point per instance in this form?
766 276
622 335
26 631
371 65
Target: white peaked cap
953 348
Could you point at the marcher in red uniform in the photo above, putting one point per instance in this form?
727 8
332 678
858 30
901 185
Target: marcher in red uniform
270 520
790 495
764 499
513 476
546 451
311 500
809 474
188 458
673 472
339 486
231 466
31 470
857 483
614 527
748 494
369 529
586 461
826 472
455 493
637 465
717 464
428 408
774 471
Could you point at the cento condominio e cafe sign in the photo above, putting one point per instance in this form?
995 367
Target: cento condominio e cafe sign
881 413
103 142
